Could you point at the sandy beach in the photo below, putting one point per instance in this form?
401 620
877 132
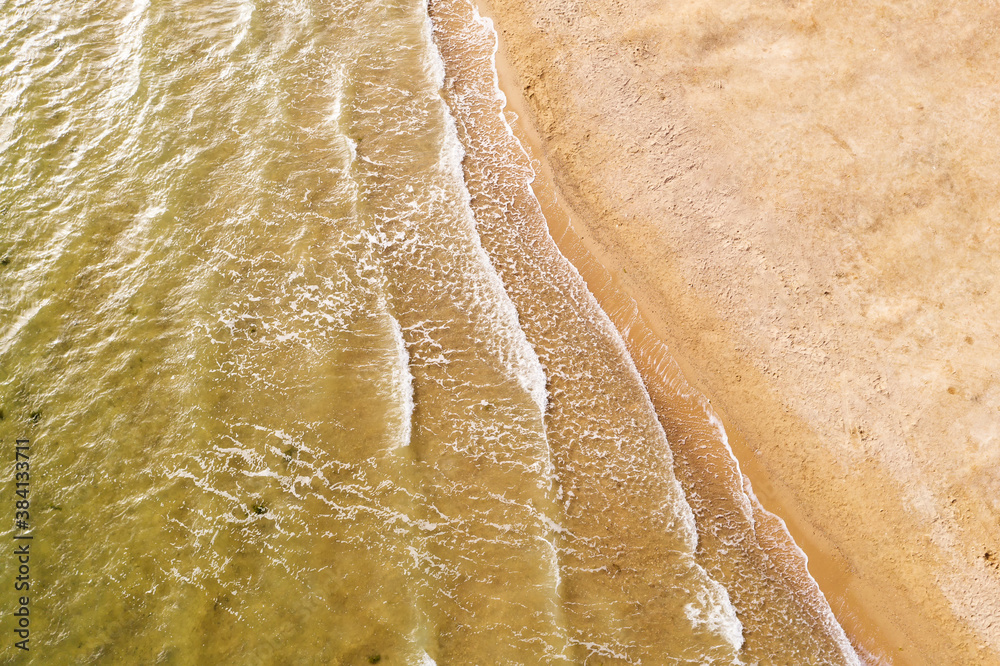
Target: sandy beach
798 200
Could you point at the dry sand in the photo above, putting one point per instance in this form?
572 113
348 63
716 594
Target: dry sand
801 199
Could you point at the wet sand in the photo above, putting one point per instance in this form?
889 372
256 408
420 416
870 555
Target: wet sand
840 331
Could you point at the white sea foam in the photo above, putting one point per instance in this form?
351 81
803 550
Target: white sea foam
744 501
826 616
126 63
521 355
715 612
714 609
748 502
10 335
241 27
432 57
679 506
402 380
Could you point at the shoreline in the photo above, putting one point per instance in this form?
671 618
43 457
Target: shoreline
897 599
864 632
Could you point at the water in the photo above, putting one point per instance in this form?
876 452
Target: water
306 378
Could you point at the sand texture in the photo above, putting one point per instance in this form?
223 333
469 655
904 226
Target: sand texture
802 200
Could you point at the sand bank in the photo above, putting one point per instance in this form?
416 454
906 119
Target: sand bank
829 283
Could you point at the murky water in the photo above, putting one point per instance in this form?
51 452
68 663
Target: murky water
307 380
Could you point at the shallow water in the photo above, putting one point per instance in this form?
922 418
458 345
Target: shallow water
307 380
